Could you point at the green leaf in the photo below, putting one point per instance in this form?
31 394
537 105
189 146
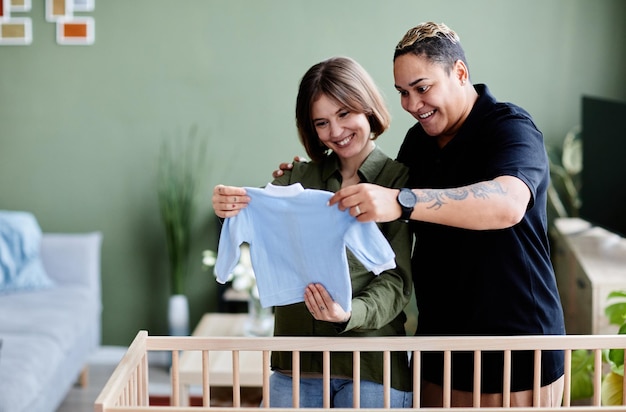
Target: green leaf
616 313
582 374
617 294
615 358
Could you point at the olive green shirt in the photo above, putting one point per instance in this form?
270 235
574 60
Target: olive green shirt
377 301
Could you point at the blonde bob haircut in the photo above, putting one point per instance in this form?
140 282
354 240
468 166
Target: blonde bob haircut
345 81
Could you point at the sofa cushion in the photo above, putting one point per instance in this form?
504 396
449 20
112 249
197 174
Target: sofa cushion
20 262
26 364
40 331
59 313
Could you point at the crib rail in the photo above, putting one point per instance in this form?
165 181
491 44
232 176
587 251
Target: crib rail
127 388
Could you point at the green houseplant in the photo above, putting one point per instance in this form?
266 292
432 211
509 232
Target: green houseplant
179 166
582 360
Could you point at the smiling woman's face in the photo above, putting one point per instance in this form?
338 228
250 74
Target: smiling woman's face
345 132
432 96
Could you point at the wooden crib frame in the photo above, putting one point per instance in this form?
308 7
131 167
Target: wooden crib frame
127 388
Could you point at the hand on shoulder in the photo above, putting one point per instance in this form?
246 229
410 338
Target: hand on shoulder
287 166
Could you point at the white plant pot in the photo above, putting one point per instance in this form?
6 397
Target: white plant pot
178 315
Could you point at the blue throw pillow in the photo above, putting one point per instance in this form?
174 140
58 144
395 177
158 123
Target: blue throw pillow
20 263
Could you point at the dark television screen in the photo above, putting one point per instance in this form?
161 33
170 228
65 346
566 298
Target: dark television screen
603 177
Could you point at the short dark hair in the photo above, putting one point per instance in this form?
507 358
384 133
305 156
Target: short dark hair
439 43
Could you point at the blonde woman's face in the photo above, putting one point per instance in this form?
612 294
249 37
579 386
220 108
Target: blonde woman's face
430 95
345 132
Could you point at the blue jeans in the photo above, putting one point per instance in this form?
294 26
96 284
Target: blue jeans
311 393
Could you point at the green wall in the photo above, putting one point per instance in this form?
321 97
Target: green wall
81 126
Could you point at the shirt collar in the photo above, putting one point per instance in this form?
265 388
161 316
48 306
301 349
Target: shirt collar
368 171
481 107
485 98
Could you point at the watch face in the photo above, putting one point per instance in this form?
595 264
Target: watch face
407 198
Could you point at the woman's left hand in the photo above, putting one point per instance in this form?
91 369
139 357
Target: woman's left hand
322 306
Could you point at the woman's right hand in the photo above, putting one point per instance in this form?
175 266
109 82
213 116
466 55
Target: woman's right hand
229 200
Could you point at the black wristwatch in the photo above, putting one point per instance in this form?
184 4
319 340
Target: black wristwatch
407 200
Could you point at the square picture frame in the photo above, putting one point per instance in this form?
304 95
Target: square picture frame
84 5
17 31
76 31
20 5
59 9
7 6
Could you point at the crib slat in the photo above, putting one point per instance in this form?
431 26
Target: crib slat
295 376
416 357
175 379
597 377
567 391
624 387
266 378
447 378
506 390
477 372
143 374
537 379
134 385
206 389
115 389
326 379
236 381
356 379
387 379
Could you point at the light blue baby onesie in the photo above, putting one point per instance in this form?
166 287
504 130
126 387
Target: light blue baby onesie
296 239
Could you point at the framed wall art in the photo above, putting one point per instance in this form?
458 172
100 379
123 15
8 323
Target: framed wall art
17 31
72 29
76 31
84 5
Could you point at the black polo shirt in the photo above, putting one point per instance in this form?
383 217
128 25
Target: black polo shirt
491 282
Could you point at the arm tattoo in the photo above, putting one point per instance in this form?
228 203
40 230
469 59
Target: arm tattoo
439 197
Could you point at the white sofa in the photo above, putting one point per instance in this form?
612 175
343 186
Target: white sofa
47 334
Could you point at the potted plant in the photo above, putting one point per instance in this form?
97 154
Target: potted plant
582 360
178 169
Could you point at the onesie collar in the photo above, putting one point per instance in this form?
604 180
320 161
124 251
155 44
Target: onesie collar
284 191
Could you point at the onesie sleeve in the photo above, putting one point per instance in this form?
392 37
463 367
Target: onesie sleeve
228 252
367 243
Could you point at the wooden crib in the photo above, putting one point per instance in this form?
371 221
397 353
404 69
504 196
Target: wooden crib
127 388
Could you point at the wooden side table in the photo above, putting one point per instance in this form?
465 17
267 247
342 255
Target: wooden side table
220 362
